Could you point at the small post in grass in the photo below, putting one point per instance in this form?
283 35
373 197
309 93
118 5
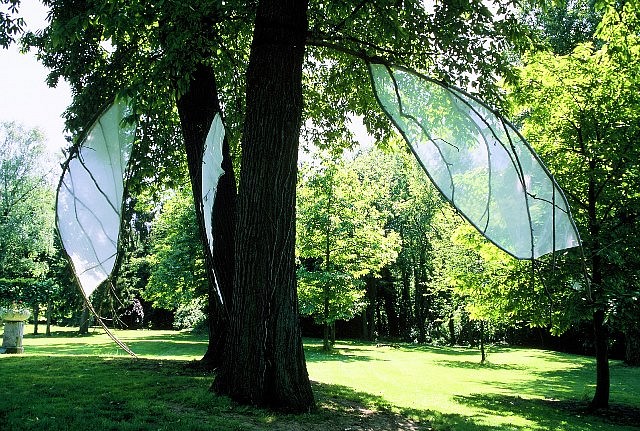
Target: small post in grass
13 319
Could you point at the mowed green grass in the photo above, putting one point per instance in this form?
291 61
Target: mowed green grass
71 382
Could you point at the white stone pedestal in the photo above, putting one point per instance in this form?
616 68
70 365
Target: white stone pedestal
12 339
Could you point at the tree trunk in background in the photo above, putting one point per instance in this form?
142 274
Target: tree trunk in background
405 306
632 345
452 332
369 313
390 298
601 333
264 361
197 109
483 353
325 333
84 320
36 317
49 312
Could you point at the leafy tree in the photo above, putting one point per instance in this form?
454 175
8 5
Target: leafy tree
26 203
581 113
177 268
563 25
11 25
195 53
341 239
411 204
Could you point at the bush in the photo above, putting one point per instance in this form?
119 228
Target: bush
191 315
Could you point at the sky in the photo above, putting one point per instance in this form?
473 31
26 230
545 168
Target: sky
24 95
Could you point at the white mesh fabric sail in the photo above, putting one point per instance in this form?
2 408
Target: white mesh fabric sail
89 203
211 172
479 162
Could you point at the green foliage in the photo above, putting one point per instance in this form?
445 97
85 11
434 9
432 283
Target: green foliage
564 24
190 315
176 261
345 295
496 288
11 25
341 237
581 112
26 203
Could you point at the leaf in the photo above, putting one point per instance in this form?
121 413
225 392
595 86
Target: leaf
479 162
89 203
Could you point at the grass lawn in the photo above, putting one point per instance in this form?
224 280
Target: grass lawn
71 382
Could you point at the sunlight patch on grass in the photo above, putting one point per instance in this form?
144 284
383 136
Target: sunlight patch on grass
452 380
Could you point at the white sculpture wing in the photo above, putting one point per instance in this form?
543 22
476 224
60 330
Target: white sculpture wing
211 172
479 162
89 203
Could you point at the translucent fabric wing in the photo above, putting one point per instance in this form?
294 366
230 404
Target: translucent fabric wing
89 204
479 162
211 172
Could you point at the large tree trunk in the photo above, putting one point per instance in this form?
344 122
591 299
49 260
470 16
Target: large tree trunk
197 108
264 361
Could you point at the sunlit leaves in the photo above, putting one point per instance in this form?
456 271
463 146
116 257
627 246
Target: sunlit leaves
341 237
26 202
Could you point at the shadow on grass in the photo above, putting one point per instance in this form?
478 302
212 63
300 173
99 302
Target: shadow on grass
315 353
552 413
64 334
343 408
479 366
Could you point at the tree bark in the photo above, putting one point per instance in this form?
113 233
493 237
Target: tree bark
48 314
601 397
264 361
452 332
483 353
36 317
197 109
601 335
84 320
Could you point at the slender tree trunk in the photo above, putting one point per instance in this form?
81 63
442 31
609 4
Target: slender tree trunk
452 332
369 312
600 332
325 335
333 334
390 298
405 307
36 317
483 353
326 288
264 361
632 345
419 277
49 312
601 397
84 320
197 109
